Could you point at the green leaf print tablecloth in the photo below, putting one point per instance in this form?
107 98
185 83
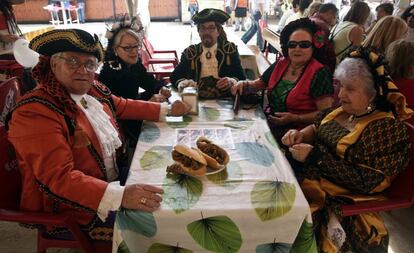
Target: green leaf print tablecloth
254 205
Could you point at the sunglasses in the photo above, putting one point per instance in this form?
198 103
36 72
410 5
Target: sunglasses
301 44
409 15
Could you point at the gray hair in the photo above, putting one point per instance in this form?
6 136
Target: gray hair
356 69
120 34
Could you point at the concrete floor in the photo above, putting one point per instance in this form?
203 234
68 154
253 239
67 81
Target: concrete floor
15 239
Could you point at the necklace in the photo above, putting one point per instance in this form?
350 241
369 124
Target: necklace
294 71
352 117
208 55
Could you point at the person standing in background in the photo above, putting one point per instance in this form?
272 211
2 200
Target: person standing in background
228 8
9 30
257 8
81 11
241 14
192 8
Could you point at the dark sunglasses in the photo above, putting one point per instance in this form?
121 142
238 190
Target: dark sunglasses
409 14
302 44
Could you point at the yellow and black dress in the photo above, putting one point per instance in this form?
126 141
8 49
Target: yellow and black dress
353 166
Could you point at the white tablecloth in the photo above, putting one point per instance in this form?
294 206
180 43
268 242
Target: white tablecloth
254 205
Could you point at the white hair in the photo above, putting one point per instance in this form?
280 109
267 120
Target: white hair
356 69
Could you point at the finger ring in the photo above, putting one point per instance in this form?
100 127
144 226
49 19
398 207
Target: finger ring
143 200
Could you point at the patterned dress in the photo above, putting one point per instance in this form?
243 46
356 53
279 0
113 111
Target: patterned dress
379 154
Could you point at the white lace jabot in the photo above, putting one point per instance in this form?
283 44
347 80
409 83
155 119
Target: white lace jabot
107 134
209 67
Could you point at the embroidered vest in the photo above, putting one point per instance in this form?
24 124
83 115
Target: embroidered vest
298 100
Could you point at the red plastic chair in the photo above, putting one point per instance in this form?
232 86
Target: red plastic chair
399 195
156 54
161 68
10 191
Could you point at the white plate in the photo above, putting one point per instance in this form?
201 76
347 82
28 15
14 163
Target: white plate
211 171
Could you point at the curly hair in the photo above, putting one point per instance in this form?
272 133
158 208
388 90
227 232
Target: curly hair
301 24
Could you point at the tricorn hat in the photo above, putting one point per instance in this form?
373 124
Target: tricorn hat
62 40
210 14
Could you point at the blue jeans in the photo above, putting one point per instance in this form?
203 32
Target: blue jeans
81 12
254 28
192 8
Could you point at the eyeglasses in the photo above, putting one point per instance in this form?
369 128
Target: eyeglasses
209 29
130 48
302 44
409 14
74 63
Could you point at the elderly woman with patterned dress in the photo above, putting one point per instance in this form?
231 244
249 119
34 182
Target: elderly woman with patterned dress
352 153
124 74
298 86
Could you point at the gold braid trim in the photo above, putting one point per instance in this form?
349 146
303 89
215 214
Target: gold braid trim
229 48
70 36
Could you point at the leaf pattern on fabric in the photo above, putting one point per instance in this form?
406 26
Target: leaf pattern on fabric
272 199
275 247
209 113
242 124
150 132
181 192
164 248
256 153
182 124
137 221
305 240
271 139
156 157
217 234
225 103
123 248
230 178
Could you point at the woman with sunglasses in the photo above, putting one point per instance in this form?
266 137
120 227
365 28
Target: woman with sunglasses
123 72
298 85
409 18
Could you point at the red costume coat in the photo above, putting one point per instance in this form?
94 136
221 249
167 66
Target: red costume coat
60 157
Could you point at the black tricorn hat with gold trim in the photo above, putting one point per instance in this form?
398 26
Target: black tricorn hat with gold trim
210 14
63 40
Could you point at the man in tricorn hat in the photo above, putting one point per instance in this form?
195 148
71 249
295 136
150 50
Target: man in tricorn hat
214 56
67 141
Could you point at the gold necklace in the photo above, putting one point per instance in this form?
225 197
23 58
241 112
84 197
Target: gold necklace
293 70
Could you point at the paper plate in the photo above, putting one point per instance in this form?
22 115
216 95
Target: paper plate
211 171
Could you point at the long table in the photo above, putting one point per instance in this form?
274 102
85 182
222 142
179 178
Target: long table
254 205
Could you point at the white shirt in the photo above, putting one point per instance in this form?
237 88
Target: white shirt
209 67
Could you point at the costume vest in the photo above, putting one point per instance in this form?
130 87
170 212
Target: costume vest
299 100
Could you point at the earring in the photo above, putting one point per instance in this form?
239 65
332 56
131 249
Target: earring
370 108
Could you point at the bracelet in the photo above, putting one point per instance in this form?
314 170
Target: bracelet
169 110
299 118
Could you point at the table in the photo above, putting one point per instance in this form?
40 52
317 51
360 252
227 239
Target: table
273 39
247 57
254 205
